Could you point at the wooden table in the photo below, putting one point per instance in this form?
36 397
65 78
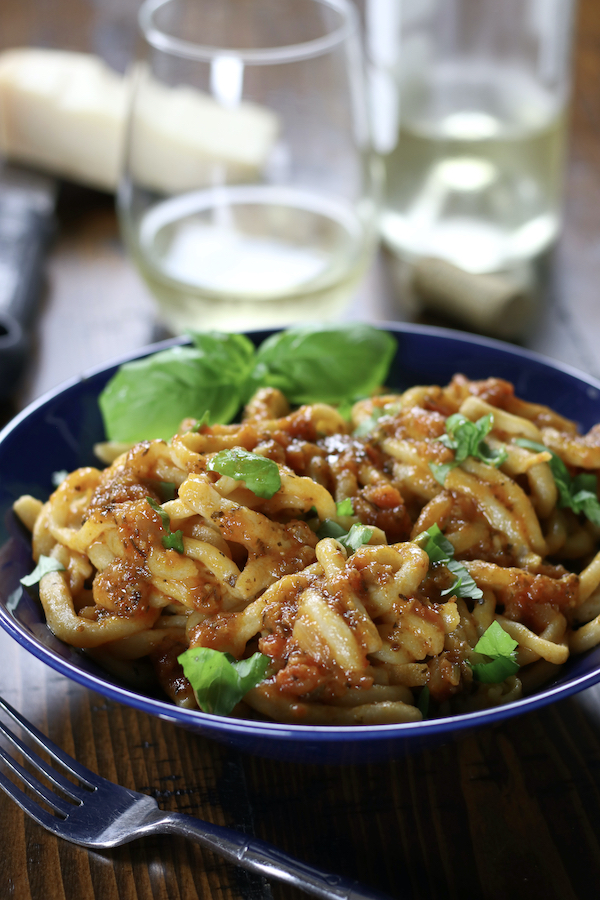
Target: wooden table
509 812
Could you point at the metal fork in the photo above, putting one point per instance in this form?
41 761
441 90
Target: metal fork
100 814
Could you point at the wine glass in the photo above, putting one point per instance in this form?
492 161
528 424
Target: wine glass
249 190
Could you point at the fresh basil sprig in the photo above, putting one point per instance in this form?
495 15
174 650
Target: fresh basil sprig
171 540
579 493
148 398
439 550
45 564
467 438
220 681
345 507
502 650
259 473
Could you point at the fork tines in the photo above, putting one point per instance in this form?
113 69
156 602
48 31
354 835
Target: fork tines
60 805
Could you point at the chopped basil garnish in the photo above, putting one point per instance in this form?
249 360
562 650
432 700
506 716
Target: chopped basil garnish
172 540
45 564
501 649
345 507
259 473
579 493
440 550
220 681
356 537
148 398
467 438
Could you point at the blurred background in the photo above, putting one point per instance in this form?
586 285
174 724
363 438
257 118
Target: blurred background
95 306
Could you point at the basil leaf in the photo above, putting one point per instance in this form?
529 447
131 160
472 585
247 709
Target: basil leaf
467 438
232 352
259 474
356 537
501 648
325 364
220 681
584 496
423 701
330 528
464 436
203 420
439 550
495 671
351 540
440 470
166 490
368 426
465 586
557 467
45 564
148 398
172 540
579 493
437 547
495 641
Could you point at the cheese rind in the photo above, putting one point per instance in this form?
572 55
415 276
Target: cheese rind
65 112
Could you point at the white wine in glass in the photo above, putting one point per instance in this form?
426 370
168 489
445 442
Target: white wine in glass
249 193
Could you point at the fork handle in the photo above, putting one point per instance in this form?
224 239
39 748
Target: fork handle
259 856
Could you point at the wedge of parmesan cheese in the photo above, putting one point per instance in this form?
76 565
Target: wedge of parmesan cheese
183 139
65 112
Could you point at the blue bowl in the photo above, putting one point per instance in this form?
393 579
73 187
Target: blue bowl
59 431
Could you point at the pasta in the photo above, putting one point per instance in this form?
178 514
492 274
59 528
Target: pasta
353 633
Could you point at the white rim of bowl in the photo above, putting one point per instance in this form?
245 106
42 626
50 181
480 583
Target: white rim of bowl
160 40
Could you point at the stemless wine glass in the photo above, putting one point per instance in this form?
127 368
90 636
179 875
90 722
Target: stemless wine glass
249 188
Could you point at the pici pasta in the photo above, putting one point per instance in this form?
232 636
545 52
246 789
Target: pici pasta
437 552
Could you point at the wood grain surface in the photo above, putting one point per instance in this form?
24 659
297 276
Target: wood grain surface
510 812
